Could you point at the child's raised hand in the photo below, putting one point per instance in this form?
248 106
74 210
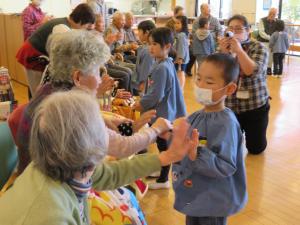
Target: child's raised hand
145 118
181 143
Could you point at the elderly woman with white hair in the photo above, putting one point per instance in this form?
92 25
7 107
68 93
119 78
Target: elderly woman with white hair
75 59
67 145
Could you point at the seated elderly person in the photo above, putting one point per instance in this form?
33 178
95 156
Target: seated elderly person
129 33
117 28
75 59
67 145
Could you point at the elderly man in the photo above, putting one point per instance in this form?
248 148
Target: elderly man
117 28
129 33
266 28
214 24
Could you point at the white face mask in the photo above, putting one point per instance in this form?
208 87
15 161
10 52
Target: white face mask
205 96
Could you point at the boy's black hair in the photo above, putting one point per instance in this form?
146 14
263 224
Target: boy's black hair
184 22
240 18
146 25
229 65
162 36
83 14
202 22
279 25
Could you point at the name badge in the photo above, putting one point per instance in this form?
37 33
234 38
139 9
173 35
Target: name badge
243 94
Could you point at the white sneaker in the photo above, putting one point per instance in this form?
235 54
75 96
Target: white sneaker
156 185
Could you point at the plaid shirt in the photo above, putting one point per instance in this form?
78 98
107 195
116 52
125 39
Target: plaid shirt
255 84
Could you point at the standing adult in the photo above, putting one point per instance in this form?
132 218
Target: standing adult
99 7
214 28
251 101
266 28
82 17
33 17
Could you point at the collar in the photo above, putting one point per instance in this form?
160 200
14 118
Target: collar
81 190
35 7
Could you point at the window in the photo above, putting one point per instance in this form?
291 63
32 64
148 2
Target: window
221 9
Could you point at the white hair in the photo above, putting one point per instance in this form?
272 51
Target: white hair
116 15
75 50
68 135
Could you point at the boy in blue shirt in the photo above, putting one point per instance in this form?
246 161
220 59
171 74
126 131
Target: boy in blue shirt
210 183
203 41
144 60
162 92
279 44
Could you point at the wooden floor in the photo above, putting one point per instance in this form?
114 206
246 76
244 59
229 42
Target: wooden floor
273 177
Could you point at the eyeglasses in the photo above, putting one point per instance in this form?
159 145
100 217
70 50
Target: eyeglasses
236 30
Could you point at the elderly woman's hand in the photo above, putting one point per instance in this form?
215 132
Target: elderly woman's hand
113 123
162 126
145 118
121 93
107 84
110 38
181 143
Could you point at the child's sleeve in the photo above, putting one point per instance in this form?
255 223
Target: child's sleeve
213 47
272 41
156 89
219 161
286 40
180 46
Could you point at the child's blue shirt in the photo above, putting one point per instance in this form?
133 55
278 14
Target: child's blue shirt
163 92
144 63
214 185
182 47
203 43
279 42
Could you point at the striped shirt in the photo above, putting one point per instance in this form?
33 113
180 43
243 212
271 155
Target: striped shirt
255 84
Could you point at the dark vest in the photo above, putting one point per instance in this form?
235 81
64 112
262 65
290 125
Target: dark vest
269 28
39 38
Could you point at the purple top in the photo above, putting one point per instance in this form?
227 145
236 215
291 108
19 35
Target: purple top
32 18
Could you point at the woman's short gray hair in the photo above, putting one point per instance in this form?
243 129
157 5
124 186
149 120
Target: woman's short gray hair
68 135
75 50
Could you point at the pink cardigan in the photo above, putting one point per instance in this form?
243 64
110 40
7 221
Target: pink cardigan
32 18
